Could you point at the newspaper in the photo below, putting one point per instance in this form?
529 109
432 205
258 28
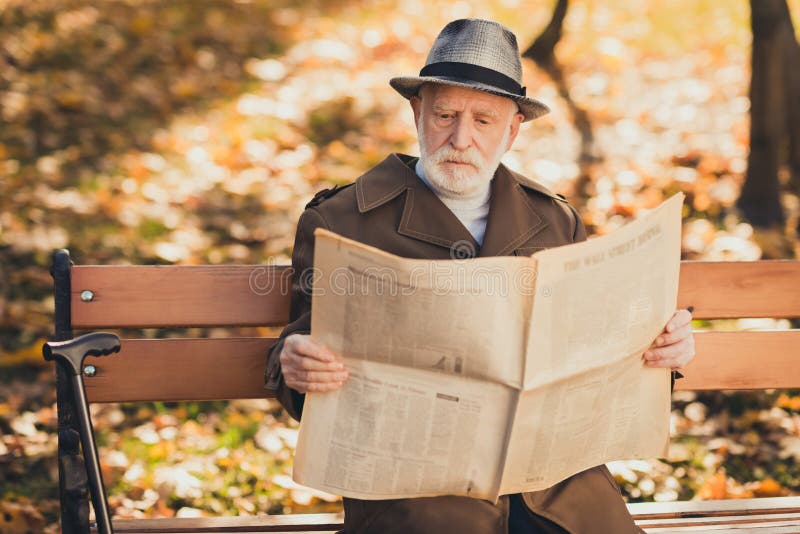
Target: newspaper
489 376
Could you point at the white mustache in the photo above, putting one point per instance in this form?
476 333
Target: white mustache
449 154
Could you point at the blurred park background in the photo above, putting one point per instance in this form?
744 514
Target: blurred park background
186 132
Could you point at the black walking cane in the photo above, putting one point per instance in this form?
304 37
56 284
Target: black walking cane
70 354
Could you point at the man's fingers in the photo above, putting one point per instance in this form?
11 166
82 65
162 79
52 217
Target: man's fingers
674 356
308 366
679 319
316 387
674 347
673 337
305 386
315 376
663 352
292 362
305 381
303 344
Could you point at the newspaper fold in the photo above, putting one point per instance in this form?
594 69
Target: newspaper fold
489 376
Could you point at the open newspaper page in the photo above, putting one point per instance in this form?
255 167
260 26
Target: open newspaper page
394 432
587 397
435 355
454 316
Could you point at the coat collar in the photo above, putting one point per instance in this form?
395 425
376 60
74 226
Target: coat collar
513 217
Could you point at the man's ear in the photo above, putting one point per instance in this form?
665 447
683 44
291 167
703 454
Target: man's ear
516 121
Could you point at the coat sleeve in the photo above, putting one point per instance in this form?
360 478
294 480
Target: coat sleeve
299 311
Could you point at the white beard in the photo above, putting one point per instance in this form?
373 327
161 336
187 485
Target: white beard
458 181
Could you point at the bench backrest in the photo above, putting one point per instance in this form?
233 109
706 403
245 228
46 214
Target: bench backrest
256 295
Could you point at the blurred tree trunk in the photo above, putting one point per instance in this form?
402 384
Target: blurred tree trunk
792 69
542 51
774 113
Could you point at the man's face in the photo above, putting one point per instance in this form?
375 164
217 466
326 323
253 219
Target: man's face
463 133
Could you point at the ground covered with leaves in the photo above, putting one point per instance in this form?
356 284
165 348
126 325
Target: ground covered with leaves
141 132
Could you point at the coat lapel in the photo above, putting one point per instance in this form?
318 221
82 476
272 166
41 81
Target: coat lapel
513 218
424 216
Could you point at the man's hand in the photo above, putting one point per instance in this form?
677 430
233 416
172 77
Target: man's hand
309 366
674 347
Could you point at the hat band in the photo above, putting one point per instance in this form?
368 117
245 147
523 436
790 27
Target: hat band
475 73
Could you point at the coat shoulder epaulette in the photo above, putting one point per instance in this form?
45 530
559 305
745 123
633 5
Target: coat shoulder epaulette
536 186
326 194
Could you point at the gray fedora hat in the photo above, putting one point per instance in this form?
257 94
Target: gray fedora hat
476 54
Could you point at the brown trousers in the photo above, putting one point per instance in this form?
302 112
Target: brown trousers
570 507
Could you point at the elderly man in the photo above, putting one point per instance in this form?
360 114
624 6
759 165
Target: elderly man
455 200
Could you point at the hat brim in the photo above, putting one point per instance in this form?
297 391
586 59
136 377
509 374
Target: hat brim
409 86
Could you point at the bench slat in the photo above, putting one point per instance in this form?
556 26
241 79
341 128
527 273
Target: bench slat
725 360
766 288
767 514
244 295
180 369
714 517
296 523
786 527
720 520
142 526
680 509
233 368
126 529
720 516
139 296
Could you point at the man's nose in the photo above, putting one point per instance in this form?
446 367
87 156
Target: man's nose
461 136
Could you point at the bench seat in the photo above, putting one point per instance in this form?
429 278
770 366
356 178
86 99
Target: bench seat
276 524
181 369
763 515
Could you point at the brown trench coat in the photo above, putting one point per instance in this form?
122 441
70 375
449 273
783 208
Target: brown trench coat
389 207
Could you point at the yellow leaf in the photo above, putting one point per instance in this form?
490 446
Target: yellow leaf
788 403
70 99
714 488
769 487
141 25
20 518
32 354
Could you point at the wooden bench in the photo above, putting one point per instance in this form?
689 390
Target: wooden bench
103 297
